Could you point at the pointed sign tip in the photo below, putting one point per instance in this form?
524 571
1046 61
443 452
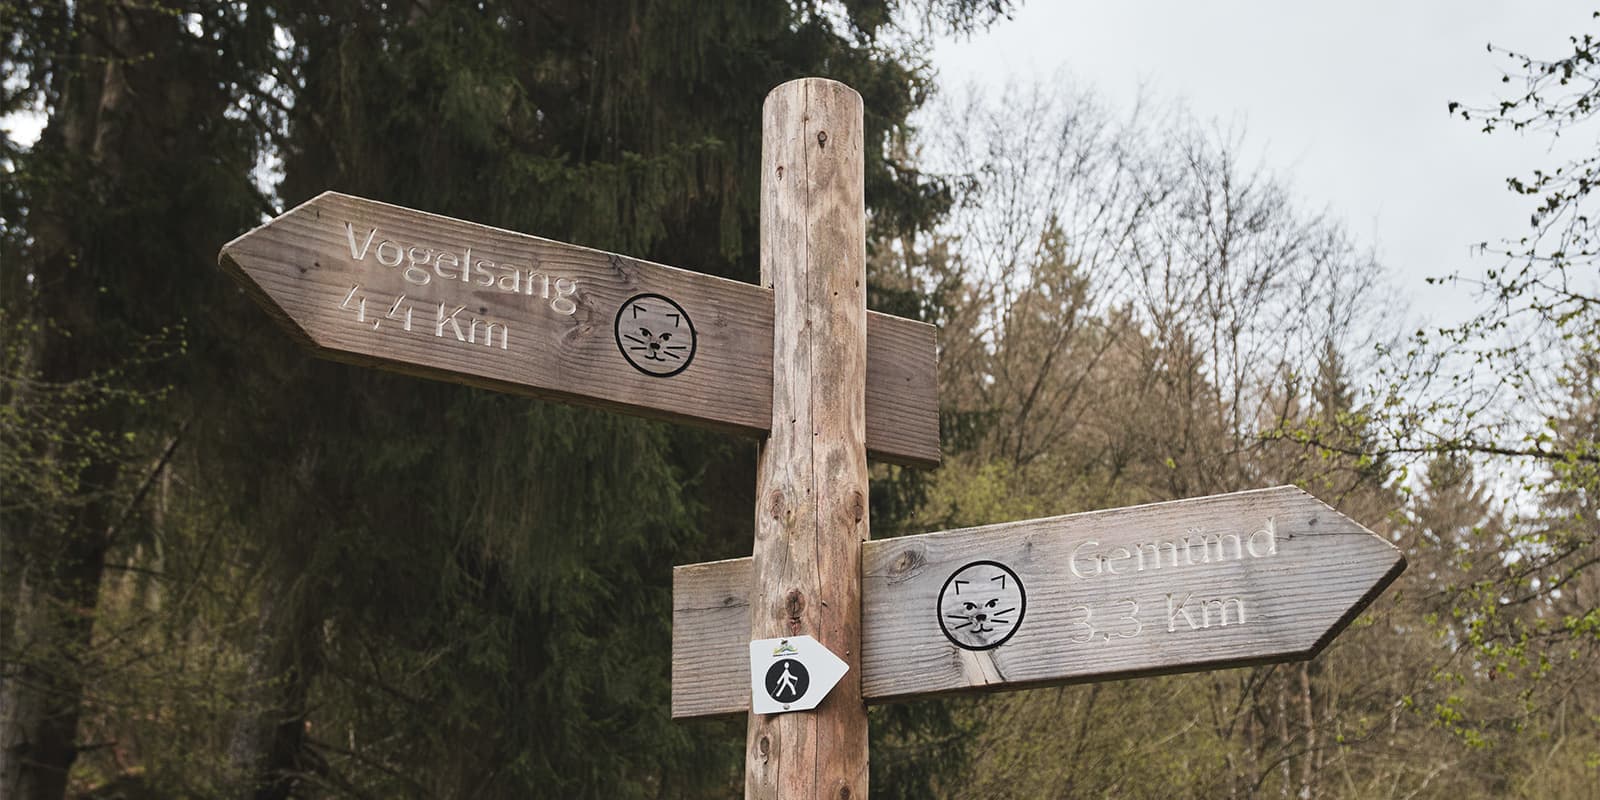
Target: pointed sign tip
1395 567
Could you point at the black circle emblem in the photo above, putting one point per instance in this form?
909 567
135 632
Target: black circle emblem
981 605
655 335
787 680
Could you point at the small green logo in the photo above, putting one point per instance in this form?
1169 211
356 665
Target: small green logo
784 648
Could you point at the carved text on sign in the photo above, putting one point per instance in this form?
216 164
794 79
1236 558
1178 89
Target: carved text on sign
1196 546
1174 612
421 265
445 320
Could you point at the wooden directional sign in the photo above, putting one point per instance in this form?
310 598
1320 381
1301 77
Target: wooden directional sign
1223 581
371 283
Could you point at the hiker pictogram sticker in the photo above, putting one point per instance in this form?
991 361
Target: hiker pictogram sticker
791 674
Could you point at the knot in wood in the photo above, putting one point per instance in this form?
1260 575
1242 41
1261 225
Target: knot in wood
907 564
764 746
794 605
775 504
822 138
858 505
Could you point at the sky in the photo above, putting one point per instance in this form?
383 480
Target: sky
1344 101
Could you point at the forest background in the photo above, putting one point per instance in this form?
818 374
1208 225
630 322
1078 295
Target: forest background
232 570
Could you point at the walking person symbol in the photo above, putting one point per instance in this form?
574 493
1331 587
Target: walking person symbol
787 680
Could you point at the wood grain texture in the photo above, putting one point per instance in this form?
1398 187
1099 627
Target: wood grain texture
1322 570
560 340
711 637
811 475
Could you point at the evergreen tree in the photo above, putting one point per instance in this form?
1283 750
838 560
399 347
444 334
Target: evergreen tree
428 590
109 218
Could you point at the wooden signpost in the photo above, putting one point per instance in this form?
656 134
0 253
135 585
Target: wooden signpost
819 621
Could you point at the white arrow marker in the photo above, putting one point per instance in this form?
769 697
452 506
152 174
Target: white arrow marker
791 674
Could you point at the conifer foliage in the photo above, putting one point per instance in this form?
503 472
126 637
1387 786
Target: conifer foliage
231 570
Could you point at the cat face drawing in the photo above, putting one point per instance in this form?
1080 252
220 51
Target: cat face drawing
655 335
981 605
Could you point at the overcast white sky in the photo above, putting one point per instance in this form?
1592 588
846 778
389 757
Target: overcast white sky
1344 100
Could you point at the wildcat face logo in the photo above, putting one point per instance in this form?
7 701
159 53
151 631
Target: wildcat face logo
655 335
981 605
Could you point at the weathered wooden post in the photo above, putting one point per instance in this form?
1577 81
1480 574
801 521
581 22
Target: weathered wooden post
811 481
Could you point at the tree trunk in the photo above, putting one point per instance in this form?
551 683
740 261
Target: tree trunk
268 742
111 106
41 696
1308 764
59 543
1283 739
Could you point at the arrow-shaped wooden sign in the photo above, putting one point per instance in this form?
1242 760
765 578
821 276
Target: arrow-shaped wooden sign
1223 581
371 283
